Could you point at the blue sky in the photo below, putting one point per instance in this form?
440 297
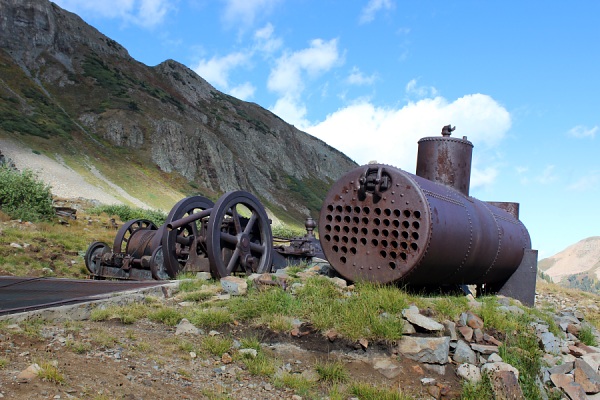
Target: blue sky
520 79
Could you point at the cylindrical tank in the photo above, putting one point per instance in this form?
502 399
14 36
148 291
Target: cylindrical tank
382 224
446 160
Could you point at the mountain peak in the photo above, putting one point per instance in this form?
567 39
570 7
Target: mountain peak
76 95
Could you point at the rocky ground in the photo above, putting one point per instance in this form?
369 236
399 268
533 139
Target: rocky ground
147 360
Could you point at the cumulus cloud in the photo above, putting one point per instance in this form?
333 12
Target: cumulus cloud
373 7
266 41
217 69
365 132
356 77
581 131
244 12
146 13
245 91
291 69
482 177
292 110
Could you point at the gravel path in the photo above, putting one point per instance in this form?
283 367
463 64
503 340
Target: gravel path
64 181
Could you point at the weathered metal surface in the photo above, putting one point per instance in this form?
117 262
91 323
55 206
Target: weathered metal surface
446 160
519 285
238 243
509 207
198 235
379 223
24 294
299 249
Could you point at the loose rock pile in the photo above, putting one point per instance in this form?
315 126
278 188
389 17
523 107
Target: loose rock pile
464 345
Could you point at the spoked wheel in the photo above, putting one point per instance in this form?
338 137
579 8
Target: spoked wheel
238 237
185 247
157 265
93 256
128 230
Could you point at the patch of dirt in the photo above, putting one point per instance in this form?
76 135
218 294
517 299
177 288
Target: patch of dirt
146 360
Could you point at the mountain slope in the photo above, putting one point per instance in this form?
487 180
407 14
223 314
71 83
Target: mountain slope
581 257
159 133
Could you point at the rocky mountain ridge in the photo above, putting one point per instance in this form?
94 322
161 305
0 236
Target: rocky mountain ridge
70 92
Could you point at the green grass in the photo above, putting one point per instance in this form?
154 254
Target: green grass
166 315
522 351
3 363
356 316
79 347
586 336
477 390
297 382
126 213
332 372
250 342
50 373
127 314
261 365
216 345
104 339
367 391
209 318
450 307
197 296
191 285
32 327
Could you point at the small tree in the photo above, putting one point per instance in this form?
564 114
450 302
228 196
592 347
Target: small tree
24 196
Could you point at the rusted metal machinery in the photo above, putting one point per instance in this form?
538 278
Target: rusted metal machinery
231 236
299 249
382 224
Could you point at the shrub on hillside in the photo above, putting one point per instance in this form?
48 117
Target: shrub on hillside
23 196
126 213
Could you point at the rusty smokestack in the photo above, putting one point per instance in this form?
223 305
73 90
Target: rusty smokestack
446 160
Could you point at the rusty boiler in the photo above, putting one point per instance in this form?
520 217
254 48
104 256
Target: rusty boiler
381 224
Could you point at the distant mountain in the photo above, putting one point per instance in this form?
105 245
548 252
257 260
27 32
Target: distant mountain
76 96
576 266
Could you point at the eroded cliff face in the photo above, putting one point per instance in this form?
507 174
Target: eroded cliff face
167 115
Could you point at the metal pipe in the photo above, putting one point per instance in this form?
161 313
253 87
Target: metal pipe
188 220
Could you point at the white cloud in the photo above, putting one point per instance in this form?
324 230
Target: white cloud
291 110
287 75
420 91
548 176
586 182
356 77
581 131
146 13
245 91
266 40
216 70
365 132
483 177
244 12
291 69
368 12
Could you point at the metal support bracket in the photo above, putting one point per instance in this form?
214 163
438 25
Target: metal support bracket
521 284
